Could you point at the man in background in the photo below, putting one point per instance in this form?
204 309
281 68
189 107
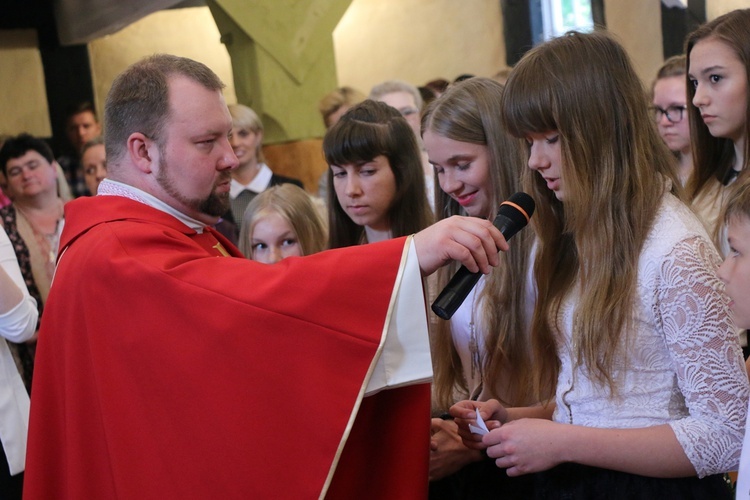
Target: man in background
81 126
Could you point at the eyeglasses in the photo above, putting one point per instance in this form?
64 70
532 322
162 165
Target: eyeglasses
673 113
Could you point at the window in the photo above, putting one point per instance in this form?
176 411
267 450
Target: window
560 16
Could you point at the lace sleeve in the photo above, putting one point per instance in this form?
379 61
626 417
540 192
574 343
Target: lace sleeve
705 351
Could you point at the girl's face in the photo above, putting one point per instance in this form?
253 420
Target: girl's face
735 271
273 239
545 157
670 95
720 81
463 171
94 163
366 192
245 144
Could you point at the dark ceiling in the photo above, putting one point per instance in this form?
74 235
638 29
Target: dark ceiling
71 22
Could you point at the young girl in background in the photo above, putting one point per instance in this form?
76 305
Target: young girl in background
376 187
718 71
631 322
484 351
281 222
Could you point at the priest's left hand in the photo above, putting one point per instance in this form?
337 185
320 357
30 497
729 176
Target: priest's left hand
472 241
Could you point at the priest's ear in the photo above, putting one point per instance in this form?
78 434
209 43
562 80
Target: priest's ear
143 152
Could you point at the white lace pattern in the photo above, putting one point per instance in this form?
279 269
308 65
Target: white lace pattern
684 364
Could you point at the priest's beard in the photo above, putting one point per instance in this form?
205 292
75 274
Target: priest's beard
214 204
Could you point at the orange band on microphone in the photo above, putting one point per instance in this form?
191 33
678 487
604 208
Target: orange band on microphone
517 208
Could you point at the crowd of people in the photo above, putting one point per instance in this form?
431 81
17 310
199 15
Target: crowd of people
185 350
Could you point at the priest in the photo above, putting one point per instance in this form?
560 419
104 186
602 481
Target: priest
170 367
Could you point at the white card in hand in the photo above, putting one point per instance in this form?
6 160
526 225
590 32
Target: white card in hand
480 428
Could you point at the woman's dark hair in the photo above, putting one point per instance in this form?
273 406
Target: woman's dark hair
16 147
370 129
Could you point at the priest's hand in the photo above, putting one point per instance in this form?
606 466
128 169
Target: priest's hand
472 241
447 452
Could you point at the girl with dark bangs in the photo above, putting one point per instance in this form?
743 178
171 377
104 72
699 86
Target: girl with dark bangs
631 321
376 187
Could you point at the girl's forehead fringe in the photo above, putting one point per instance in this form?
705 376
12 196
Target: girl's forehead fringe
520 121
528 110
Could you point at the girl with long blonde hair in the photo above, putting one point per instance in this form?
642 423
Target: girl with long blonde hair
483 352
281 222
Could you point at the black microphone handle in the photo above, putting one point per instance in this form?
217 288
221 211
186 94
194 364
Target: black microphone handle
458 288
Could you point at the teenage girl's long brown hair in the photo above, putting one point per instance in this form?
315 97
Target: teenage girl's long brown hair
615 169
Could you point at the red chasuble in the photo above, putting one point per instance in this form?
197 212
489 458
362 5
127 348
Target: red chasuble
166 371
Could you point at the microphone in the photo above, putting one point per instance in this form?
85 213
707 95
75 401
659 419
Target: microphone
513 215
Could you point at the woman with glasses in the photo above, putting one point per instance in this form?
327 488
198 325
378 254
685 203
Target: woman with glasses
718 71
669 98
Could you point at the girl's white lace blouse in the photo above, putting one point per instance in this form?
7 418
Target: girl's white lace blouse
684 365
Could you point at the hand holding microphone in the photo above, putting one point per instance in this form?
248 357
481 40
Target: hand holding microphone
512 216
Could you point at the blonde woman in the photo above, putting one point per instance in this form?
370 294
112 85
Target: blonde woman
252 176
